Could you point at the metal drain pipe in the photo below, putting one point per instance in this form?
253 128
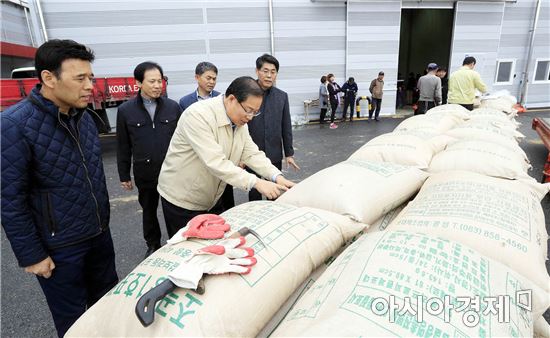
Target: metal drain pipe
42 23
271 30
525 76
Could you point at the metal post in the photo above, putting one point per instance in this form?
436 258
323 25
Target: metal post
42 23
26 10
271 30
525 75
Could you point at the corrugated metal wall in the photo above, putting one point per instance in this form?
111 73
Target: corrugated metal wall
309 39
14 24
373 46
514 44
477 33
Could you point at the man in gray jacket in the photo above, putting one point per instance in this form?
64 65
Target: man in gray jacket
429 87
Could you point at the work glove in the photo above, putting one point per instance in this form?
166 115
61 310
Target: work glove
225 257
205 226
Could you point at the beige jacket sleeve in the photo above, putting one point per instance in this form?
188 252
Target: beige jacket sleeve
201 138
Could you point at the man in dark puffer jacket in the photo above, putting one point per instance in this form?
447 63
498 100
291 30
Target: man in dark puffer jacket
55 207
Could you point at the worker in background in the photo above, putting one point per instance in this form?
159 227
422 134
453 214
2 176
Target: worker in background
323 99
55 206
429 87
350 92
272 129
377 91
145 125
464 82
334 99
206 75
442 74
210 141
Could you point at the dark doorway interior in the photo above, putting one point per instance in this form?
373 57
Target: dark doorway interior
426 36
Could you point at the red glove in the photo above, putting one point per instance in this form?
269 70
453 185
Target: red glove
228 256
205 226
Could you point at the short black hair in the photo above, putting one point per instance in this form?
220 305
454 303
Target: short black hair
380 73
469 60
139 72
442 69
51 54
266 58
205 66
323 79
351 79
243 87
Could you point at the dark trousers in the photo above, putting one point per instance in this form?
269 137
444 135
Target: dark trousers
83 273
148 198
333 107
322 115
376 105
349 102
423 107
228 201
468 106
254 195
177 217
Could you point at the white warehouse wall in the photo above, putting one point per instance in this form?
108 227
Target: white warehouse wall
311 39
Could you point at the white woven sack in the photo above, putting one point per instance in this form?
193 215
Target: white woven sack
384 284
299 240
396 148
301 290
361 190
482 157
441 123
501 219
382 223
449 106
483 129
435 139
501 100
487 111
542 328
459 113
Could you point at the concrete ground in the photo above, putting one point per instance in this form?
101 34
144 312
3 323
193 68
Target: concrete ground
24 312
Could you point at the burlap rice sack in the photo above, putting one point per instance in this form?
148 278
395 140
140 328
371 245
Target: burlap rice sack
361 190
383 284
483 157
299 240
501 219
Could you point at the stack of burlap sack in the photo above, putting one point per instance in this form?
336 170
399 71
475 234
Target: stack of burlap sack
474 229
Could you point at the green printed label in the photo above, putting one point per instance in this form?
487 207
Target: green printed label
476 202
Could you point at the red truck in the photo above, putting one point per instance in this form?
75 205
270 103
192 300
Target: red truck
108 92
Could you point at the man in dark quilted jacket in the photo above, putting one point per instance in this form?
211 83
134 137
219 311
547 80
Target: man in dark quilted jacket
55 207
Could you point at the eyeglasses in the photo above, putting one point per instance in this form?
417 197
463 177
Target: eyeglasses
250 113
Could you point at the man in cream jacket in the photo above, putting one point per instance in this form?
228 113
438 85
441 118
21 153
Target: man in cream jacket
211 139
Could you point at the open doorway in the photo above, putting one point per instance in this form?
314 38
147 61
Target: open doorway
426 36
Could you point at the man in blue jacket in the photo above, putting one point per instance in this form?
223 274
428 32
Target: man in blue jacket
350 92
206 74
55 207
145 125
272 129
